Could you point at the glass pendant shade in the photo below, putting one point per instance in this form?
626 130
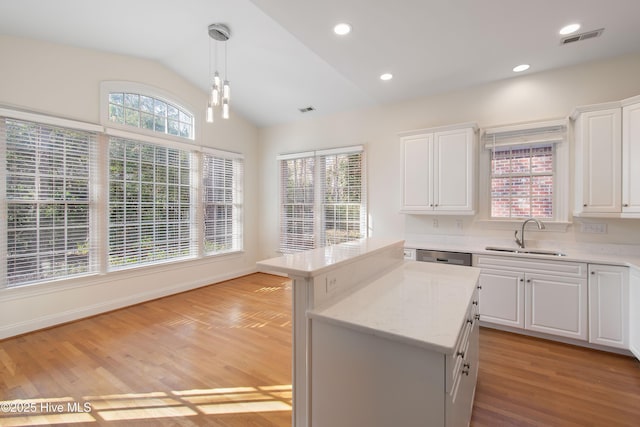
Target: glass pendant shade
220 90
225 109
210 113
226 91
215 95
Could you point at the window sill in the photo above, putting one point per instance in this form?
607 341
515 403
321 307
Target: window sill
550 226
93 279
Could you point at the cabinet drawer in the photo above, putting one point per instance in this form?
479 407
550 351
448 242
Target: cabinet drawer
459 401
558 268
455 362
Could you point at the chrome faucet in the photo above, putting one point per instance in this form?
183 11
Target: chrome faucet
520 241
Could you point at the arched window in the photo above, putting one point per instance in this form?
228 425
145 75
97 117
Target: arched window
132 105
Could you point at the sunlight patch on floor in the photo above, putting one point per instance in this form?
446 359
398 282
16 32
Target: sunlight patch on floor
135 406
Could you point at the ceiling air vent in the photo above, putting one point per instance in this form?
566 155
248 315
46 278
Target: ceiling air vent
583 36
306 109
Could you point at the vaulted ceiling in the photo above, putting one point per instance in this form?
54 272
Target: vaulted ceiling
283 54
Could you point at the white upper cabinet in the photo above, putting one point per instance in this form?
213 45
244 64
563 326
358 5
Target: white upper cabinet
598 137
417 161
631 156
607 153
438 170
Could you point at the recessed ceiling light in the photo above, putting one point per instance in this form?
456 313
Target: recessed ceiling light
572 28
386 76
342 29
520 68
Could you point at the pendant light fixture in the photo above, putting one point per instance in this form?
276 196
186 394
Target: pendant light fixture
220 90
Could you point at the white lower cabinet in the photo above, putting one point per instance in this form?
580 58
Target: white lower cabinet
634 312
556 305
609 305
361 378
459 400
537 295
502 297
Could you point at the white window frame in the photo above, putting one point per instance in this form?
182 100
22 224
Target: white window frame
99 206
560 221
236 189
93 238
303 243
107 87
318 190
192 251
530 175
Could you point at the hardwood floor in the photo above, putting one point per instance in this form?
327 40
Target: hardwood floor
216 356
220 356
525 381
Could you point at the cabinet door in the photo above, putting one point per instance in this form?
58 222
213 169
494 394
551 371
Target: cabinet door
631 158
634 313
454 169
608 305
599 146
501 297
417 172
556 305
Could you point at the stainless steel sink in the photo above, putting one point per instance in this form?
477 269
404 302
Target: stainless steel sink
526 251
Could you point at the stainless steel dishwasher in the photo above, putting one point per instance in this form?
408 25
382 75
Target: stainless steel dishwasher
443 257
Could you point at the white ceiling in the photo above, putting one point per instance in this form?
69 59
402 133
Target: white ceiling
283 54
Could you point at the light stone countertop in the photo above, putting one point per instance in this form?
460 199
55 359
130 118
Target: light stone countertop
594 253
417 303
317 261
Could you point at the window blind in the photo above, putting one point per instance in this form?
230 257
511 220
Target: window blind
297 193
48 201
344 197
223 174
530 134
151 209
323 198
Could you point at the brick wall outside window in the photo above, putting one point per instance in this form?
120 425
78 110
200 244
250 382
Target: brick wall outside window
522 182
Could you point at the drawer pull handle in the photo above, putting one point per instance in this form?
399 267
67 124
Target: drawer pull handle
475 303
477 317
479 287
460 354
470 321
466 368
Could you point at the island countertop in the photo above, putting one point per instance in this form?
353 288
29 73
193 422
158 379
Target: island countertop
418 303
314 262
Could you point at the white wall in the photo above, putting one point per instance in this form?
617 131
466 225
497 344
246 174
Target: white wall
535 96
65 82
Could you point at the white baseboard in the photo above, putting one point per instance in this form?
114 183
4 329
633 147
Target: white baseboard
35 323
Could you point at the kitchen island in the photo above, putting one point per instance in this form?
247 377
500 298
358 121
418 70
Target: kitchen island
378 340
